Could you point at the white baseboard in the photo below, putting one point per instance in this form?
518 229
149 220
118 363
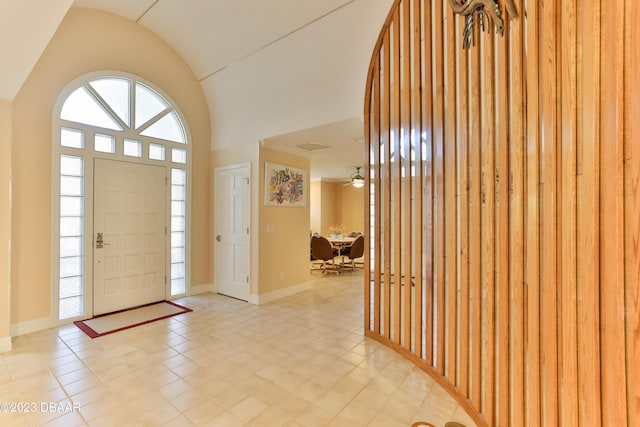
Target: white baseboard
280 293
203 289
30 326
5 344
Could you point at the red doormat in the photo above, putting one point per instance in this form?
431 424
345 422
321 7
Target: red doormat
105 324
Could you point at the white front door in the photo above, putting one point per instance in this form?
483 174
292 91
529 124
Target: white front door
129 228
232 250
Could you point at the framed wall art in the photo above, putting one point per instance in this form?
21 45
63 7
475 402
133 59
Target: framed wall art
284 185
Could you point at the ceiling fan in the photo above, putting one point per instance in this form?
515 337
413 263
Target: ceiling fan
357 180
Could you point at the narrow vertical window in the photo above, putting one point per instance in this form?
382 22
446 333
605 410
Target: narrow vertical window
71 236
178 230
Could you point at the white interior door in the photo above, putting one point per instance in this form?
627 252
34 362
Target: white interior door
129 235
232 251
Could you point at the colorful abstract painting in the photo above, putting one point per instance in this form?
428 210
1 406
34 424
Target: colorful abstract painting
284 185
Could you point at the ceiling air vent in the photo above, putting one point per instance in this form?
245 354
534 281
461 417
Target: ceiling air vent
312 146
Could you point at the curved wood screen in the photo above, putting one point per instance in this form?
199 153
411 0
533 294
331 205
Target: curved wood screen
505 207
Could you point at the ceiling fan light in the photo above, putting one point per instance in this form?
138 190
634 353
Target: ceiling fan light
357 182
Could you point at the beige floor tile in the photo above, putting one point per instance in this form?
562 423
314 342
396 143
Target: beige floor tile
227 419
204 412
15 420
106 405
400 410
348 387
314 416
188 399
230 397
249 408
462 417
333 402
384 420
292 405
159 415
271 417
72 419
179 421
175 388
310 391
128 387
118 418
47 411
267 392
298 361
145 403
82 385
358 413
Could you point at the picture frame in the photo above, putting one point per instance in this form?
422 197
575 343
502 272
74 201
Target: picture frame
284 185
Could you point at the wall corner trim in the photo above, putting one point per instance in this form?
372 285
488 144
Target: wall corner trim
5 344
280 293
203 289
31 326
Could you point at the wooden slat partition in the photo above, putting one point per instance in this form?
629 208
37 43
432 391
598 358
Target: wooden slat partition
504 197
632 208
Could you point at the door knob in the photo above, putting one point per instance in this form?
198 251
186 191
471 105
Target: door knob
218 238
100 242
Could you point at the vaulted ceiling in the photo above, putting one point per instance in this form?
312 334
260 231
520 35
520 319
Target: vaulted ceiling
283 72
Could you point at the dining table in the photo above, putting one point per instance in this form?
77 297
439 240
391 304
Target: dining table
339 242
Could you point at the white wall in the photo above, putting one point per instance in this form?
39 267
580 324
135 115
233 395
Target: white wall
311 77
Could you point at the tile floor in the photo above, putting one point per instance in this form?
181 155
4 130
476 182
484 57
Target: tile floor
298 361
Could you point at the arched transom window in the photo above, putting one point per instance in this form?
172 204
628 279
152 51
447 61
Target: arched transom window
120 118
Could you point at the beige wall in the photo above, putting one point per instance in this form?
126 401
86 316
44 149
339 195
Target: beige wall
5 223
88 41
350 202
338 203
315 203
328 206
284 250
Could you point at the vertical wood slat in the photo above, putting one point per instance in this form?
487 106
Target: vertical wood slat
396 179
587 187
475 175
406 165
516 223
438 208
463 206
428 183
532 222
449 202
568 376
613 367
548 213
632 210
368 136
502 174
376 140
543 251
417 211
487 217
386 201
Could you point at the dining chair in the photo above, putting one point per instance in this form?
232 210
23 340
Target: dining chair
322 250
356 250
345 250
